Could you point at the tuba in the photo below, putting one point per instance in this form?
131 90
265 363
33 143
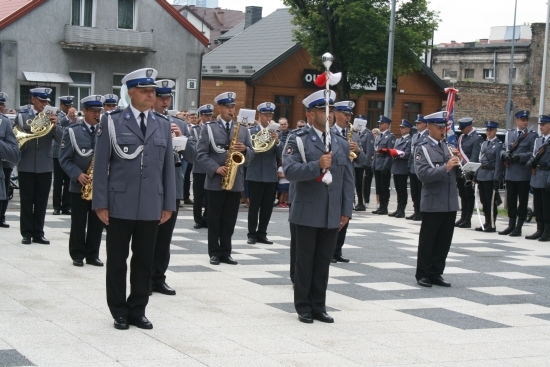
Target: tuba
262 141
86 190
233 161
349 136
40 126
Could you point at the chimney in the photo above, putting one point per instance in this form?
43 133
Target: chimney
253 14
219 15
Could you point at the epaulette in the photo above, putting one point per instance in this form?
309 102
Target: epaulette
160 115
343 137
72 126
424 141
301 132
2 115
25 109
113 112
211 122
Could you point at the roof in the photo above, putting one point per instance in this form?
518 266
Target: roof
233 31
184 22
192 10
248 55
433 76
47 77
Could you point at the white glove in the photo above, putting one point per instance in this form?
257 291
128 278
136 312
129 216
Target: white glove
327 178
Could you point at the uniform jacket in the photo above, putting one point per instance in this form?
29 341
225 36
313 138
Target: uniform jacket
263 167
439 191
541 176
195 137
9 151
383 161
283 136
519 171
316 204
63 122
292 185
415 140
471 145
189 154
139 188
36 156
400 165
366 137
75 160
361 159
212 160
491 165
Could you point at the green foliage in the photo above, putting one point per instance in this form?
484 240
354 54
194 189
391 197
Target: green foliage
356 33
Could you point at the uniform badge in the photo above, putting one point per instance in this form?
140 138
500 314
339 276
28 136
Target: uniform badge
165 83
127 116
125 149
314 138
153 116
417 157
393 141
372 141
149 72
200 135
99 129
83 128
289 150
229 95
62 144
98 98
83 151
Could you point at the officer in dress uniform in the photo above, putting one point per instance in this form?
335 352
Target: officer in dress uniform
110 103
184 148
223 205
35 169
366 144
7 166
382 163
61 192
319 210
342 114
400 169
539 164
489 175
261 175
435 167
469 146
415 183
75 157
133 192
199 174
518 149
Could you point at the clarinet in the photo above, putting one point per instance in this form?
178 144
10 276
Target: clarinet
467 181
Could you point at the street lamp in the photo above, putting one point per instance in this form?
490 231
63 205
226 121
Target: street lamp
509 103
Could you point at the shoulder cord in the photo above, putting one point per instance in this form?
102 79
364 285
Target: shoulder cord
76 148
118 151
427 155
211 136
300 145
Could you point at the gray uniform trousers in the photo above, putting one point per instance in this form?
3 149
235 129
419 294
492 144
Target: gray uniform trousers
400 170
471 146
415 183
199 177
539 183
60 195
9 155
489 177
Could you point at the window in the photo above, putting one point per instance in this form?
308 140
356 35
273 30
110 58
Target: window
283 108
126 14
82 12
488 74
449 74
117 83
469 73
375 110
80 88
411 111
25 94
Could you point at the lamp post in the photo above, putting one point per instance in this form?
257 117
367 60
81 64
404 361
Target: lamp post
389 71
509 103
544 66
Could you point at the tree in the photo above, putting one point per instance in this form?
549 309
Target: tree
356 33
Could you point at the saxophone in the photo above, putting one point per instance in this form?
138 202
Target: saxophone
86 190
233 161
349 136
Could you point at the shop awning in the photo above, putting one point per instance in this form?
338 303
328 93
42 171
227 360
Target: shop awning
32 76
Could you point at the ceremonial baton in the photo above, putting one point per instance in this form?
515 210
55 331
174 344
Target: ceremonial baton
327 59
476 193
493 208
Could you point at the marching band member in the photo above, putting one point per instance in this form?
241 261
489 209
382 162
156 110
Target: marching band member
261 175
61 193
110 103
399 168
212 150
382 164
199 174
35 169
75 156
363 173
415 183
7 166
133 192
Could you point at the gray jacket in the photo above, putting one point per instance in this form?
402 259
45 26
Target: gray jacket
263 167
189 155
75 159
383 161
471 145
400 165
195 136
361 159
366 137
63 122
292 185
491 165
439 191
542 173
9 151
212 153
315 204
142 187
36 156
415 140
518 171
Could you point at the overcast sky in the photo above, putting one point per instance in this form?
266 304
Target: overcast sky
461 20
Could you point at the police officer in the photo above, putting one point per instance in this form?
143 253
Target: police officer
223 205
199 174
61 192
318 210
415 183
133 192
10 154
399 169
435 167
518 149
7 166
75 156
539 164
469 146
489 175
110 103
35 169
261 175
3 100
382 164
363 172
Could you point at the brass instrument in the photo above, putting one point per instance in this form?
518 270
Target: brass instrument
349 136
86 190
467 181
177 159
40 126
262 141
79 115
233 161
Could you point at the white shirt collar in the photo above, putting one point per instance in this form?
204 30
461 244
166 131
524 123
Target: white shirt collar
319 132
137 113
493 138
518 130
383 132
474 129
435 141
225 122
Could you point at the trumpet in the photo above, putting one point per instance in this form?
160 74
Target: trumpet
467 179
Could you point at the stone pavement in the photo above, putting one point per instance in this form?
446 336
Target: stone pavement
497 312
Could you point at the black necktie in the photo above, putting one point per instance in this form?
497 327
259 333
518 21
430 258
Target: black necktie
325 139
520 133
92 129
439 143
227 127
343 132
142 124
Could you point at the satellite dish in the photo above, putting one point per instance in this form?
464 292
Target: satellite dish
124 100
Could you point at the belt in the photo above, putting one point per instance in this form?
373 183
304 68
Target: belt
542 168
381 154
490 168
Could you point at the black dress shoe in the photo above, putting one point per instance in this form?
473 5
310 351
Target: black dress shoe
56 212
188 201
26 241
417 217
459 221
251 241
465 224
66 212
264 240
440 282
197 226
424 282
305 317
41 240
490 229
78 262
215 260
164 289
360 208
121 323
411 217
340 259
94 262
140 322
323 317
333 260
479 229
228 260
3 224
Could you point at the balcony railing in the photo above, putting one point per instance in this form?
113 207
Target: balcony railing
107 39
